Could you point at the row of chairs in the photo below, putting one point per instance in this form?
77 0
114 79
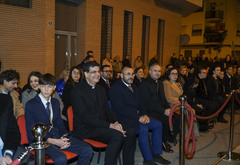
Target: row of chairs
98 146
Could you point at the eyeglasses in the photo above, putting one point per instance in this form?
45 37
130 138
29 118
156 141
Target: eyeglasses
75 72
94 72
130 74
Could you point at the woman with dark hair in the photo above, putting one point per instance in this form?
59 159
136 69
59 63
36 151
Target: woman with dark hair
74 79
227 62
31 89
139 74
173 90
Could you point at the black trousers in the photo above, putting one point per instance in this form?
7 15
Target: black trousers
211 106
165 125
115 141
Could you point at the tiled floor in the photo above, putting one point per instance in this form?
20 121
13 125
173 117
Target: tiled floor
207 147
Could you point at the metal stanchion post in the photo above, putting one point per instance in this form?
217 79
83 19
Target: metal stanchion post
182 99
229 154
39 130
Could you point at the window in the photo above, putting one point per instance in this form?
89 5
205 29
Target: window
201 52
145 39
160 40
20 3
197 30
187 53
106 31
127 34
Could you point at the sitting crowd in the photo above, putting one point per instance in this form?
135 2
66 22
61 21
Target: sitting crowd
114 104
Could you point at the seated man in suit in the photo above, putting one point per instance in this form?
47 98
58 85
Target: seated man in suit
9 131
105 77
45 109
125 104
93 118
152 98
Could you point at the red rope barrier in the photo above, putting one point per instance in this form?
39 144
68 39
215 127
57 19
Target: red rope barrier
236 98
218 111
190 120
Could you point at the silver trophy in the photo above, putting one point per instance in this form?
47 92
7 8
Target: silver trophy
39 130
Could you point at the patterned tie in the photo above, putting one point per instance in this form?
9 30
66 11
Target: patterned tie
130 87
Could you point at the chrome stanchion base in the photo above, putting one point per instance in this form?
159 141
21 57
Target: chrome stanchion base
234 155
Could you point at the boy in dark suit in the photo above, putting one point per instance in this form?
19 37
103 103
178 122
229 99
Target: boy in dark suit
43 108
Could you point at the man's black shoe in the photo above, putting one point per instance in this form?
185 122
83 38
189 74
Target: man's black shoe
158 158
166 147
222 120
149 162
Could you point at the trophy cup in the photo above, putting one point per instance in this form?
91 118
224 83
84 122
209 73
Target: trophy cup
39 130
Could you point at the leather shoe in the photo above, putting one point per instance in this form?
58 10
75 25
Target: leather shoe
222 120
166 148
158 158
149 162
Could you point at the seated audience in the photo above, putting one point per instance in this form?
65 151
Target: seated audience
8 83
152 98
139 74
228 79
9 131
31 89
123 96
183 75
108 61
105 80
173 90
93 118
74 79
138 62
63 79
45 109
212 84
125 61
117 65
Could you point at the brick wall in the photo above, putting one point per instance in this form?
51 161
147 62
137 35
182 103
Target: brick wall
92 30
26 39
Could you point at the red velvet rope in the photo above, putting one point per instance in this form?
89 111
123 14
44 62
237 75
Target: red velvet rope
190 120
236 98
218 111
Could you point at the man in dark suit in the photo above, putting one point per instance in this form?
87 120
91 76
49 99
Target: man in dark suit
45 109
212 84
125 104
152 98
228 80
105 78
9 131
93 118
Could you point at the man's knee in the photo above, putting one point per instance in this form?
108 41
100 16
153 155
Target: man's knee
61 159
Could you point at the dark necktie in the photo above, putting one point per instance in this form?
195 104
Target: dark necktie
108 83
130 87
49 113
48 108
216 85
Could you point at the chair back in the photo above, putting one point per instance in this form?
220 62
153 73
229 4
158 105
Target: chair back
22 127
70 118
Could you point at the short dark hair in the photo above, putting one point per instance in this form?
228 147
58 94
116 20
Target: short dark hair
88 57
89 52
104 66
9 75
169 72
127 66
88 65
47 79
137 69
